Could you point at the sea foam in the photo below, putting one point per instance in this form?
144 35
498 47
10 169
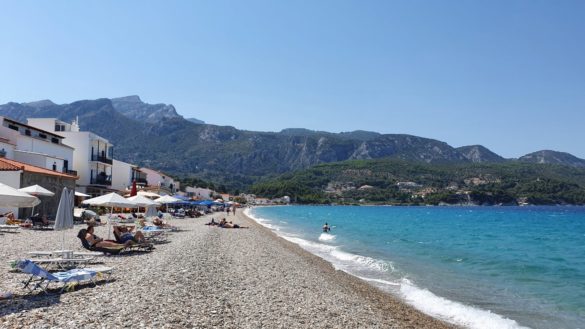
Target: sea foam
422 299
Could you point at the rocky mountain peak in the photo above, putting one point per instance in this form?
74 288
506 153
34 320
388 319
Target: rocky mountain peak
41 103
479 154
128 99
553 157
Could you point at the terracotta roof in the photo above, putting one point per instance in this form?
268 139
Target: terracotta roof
5 166
11 165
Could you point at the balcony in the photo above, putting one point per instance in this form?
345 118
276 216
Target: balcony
140 180
103 159
70 172
101 180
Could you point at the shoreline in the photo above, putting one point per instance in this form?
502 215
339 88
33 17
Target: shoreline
406 315
205 277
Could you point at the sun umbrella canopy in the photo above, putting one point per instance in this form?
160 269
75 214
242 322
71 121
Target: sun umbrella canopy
142 201
83 195
150 212
166 199
64 217
148 194
36 190
11 197
110 200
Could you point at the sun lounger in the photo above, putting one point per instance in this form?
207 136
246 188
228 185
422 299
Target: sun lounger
9 228
63 263
41 278
112 251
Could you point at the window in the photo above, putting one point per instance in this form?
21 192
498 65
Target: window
55 140
57 127
13 127
27 132
42 135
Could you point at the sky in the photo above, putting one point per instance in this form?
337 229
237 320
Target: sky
509 75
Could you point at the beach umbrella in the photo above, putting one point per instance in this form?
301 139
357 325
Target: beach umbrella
142 201
83 195
150 212
110 200
148 194
64 217
166 199
133 190
37 191
11 197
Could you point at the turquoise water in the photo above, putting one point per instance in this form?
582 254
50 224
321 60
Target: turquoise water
480 267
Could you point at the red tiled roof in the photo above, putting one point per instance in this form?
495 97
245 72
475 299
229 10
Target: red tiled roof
11 165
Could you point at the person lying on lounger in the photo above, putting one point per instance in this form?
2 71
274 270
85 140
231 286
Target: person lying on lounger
223 223
124 234
95 241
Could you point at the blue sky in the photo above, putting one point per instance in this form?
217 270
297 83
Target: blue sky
509 75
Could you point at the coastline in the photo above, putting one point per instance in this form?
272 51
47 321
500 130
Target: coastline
205 277
404 315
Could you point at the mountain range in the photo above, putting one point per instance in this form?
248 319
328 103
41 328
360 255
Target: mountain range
155 135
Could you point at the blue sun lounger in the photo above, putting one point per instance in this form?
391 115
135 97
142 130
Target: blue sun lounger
41 278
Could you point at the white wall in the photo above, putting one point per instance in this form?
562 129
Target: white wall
121 175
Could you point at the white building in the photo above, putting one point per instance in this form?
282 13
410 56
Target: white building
199 192
92 158
36 146
162 181
123 174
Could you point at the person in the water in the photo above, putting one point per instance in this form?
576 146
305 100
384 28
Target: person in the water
326 228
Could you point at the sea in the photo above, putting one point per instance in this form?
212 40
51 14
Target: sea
477 267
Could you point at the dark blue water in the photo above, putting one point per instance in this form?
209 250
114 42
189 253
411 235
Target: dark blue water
481 267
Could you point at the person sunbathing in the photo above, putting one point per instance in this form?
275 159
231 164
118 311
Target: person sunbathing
124 234
223 223
95 241
10 219
160 223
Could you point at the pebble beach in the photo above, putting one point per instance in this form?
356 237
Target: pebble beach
204 277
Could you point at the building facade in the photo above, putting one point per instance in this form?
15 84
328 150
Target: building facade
92 156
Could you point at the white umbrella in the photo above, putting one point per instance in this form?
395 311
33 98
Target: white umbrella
36 190
141 201
110 200
150 212
11 197
64 217
166 199
148 194
83 195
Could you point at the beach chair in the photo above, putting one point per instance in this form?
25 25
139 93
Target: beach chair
111 251
9 228
62 263
41 278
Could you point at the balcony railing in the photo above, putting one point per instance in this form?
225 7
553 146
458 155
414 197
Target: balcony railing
141 180
96 157
70 172
101 180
